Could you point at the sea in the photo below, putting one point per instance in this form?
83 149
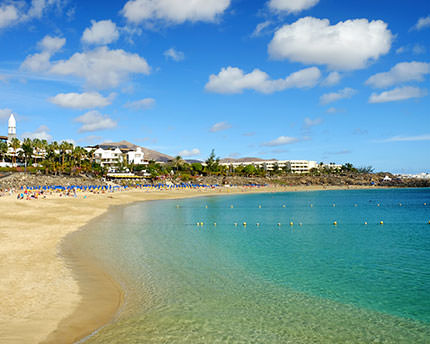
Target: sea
348 266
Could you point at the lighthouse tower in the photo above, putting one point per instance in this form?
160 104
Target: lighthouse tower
11 132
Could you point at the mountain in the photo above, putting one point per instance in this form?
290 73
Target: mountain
149 153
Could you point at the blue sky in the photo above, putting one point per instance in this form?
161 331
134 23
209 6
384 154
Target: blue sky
326 80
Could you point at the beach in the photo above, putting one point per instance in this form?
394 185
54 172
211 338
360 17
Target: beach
46 298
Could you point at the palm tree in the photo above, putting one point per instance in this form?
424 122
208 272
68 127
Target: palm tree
15 145
3 149
27 149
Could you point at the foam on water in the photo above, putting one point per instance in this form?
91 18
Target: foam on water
310 282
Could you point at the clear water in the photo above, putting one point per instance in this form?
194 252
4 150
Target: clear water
310 282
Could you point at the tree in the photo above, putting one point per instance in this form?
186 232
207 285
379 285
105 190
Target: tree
212 163
3 149
15 145
27 149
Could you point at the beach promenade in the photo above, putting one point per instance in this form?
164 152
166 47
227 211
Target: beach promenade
45 298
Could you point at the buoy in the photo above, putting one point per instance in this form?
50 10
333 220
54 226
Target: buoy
378 204
365 222
198 223
279 224
335 223
258 224
291 223
214 223
206 206
311 205
177 206
235 224
259 206
231 206
283 206
300 224
429 222
334 205
400 204
244 224
381 222
425 203
201 223
355 205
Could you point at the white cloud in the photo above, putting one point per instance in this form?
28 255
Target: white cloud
291 6
422 23
397 94
42 133
94 120
51 44
174 11
280 141
144 104
40 62
233 80
347 45
260 28
332 79
101 32
401 50
308 123
335 96
401 72
8 15
192 152
85 100
174 54
220 126
15 12
408 138
5 113
101 67
418 49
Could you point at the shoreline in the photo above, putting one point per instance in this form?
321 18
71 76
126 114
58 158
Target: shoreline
60 294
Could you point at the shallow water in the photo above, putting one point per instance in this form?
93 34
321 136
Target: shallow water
309 282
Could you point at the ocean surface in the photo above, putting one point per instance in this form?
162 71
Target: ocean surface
297 277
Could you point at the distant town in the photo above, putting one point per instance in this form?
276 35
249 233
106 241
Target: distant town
126 160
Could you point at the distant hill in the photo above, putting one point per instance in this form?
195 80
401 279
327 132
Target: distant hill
149 153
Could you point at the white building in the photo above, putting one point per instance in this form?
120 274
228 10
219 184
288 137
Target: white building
295 166
114 156
11 131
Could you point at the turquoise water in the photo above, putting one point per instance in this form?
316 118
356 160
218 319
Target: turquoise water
309 282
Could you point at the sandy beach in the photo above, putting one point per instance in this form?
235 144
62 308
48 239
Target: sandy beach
45 298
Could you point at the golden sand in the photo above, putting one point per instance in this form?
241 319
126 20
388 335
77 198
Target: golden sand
45 298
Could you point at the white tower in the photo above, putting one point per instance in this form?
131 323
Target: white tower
11 132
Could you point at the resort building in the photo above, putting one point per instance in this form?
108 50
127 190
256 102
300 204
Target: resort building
113 156
294 166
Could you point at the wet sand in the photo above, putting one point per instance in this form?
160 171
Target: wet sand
48 292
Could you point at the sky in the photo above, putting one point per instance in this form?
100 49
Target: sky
324 80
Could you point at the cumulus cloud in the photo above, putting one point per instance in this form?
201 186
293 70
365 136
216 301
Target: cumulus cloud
41 62
332 79
85 100
347 45
422 23
5 113
101 67
173 11
335 96
308 122
281 141
144 104
174 54
220 126
188 153
234 80
397 94
94 121
8 15
401 72
101 32
42 133
14 12
291 6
